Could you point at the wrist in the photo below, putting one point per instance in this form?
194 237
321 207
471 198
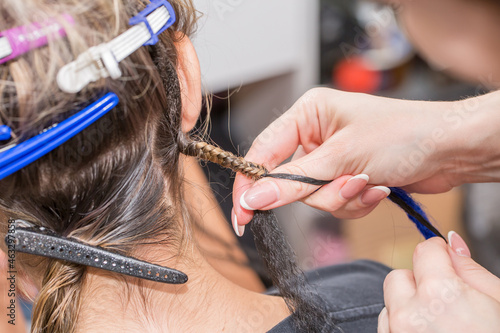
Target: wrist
472 140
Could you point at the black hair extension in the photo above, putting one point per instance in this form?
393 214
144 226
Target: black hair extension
308 309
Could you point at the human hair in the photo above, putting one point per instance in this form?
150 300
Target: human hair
117 184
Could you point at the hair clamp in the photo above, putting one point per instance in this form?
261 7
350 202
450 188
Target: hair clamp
5 133
102 61
25 238
18 41
16 157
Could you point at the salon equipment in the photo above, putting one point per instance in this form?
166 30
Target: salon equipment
18 41
42 242
102 61
18 156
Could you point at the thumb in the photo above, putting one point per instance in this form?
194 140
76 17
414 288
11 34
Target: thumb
470 271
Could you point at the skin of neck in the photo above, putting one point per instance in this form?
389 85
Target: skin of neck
208 302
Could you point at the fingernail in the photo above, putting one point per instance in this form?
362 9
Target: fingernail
374 195
458 244
239 230
353 186
260 196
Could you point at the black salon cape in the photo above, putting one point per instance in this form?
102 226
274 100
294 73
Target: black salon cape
353 294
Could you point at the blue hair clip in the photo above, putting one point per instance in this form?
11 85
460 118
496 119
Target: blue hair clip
19 156
142 18
5 133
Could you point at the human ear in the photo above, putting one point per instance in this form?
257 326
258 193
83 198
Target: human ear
188 70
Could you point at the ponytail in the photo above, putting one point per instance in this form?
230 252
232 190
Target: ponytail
58 302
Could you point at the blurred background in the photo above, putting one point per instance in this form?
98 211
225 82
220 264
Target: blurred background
258 57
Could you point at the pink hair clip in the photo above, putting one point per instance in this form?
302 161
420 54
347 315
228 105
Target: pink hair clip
18 41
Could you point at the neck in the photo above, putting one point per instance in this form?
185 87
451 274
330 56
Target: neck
207 302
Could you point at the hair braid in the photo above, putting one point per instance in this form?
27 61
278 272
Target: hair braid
58 303
208 152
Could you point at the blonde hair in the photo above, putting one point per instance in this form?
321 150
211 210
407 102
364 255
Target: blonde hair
88 188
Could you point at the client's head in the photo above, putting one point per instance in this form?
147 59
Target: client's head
116 184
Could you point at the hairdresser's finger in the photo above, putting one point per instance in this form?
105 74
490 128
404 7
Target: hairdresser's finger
300 126
432 263
308 123
470 271
364 203
241 216
383 322
274 145
348 197
299 153
337 194
272 193
399 287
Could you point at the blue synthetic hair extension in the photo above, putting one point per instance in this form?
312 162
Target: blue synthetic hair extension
415 212
399 196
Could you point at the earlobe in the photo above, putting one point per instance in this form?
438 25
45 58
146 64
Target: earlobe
188 70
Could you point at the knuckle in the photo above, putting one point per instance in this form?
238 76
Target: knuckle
431 287
357 210
328 201
429 247
397 275
312 94
297 187
420 250
471 268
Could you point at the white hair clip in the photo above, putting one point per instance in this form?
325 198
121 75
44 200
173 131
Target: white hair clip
103 60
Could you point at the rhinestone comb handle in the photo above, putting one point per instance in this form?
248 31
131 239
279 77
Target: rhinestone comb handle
42 242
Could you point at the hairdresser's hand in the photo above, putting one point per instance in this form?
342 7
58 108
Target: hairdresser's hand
337 135
446 292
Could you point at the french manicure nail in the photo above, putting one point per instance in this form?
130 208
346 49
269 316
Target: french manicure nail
239 230
353 186
260 196
374 195
458 244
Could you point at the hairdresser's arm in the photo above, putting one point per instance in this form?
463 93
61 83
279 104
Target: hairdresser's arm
426 147
446 292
